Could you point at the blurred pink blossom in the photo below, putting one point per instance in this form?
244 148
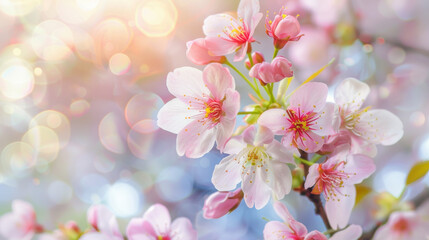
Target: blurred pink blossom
104 224
156 224
204 110
219 204
20 224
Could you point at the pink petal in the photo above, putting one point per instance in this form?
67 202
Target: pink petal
138 228
353 232
316 235
275 120
195 140
282 211
198 53
256 192
361 167
312 142
383 233
175 115
360 146
339 211
226 174
100 217
159 217
311 97
350 94
241 52
218 79
235 145
24 210
99 236
280 153
287 27
182 229
325 124
312 177
247 9
257 136
231 104
224 133
186 82
220 46
380 126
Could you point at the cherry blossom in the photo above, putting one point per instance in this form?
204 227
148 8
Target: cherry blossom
20 224
279 69
156 225
306 121
283 28
366 127
104 224
335 178
403 226
219 204
259 162
204 110
226 34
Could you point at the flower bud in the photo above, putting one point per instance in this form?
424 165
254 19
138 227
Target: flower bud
198 53
277 70
257 57
283 28
220 203
71 230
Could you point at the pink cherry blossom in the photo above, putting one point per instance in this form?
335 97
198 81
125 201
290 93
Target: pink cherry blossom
335 178
226 34
199 54
259 162
156 225
290 229
283 28
104 224
403 226
55 235
20 224
257 57
306 121
204 110
279 69
219 204
366 127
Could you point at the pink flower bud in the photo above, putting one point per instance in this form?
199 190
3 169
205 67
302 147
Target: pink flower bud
72 226
257 57
283 28
199 54
279 69
220 203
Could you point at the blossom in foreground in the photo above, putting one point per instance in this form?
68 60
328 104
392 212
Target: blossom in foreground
198 53
335 178
292 229
219 204
226 34
203 111
306 121
104 224
277 70
283 28
403 226
366 127
259 162
20 224
156 225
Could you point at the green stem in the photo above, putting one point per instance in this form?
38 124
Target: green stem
250 59
276 51
249 55
245 113
303 161
245 78
270 92
316 158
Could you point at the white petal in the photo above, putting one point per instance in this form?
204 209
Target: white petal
175 115
247 9
339 211
278 177
350 94
353 232
186 82
214 25
379 126
195 140
226 174
256 192
218 79
325 123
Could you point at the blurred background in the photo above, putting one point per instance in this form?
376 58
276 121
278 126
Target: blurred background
81 82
